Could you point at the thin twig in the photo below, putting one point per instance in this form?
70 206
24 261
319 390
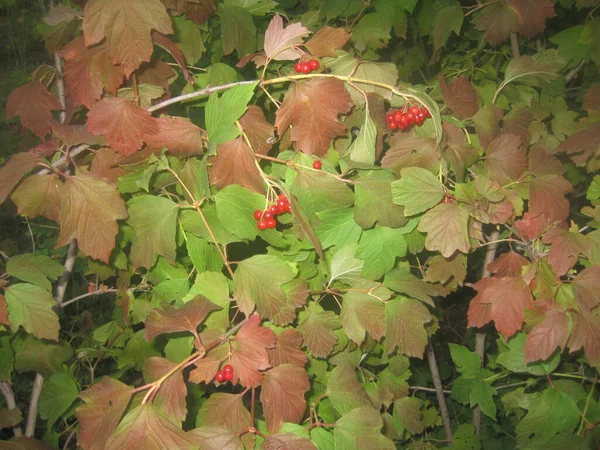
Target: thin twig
87 294
426 389
514 44
61 288
9 396
439 391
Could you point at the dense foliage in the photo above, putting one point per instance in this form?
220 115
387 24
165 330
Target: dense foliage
301 225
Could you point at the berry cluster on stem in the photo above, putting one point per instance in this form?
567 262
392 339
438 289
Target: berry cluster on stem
225 374
406 117
307 67
268 217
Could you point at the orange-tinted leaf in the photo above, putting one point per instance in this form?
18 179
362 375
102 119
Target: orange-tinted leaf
547 197
104 405
156 72
566 248
45 149
148 428
296 293
441 269
250 353
544 338
235 164
216 438
34 104
497 21
59 13
316 327
581 145
446 228
532 15
543 163
127 27
205 370
586 287
312 108
199 11
106 164
282 395
123 124
39 196
531 227
173 320
326 41
170 398
407 150
281 43
178 134
504 159
90 210
260 133
226 410
88 71
4 313
287 441
71 135
500 212
12 172
479 313
405 320
591 99
287 349
586 334
509 264
460 97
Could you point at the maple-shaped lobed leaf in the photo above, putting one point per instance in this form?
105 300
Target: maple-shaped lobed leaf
173 320
487 123
316 327
287 349
361 428
531 227
281 43
90 210
509 264
250 356
34 104
123 124
417 190
312 108
104 405
458 152
235 164
34 269
170 398
566 248
12 172
71 135
39 196
178 134
407 150
586 335
326 41
31 307
581 145
226 410
363 312
374 201
497 21
441 270
127 28
586 287
446 228
216 438
547 197
532 15
261 133
405 319
543 163
544 338
106 164
460 97
344 390
504 159
296 293
282 395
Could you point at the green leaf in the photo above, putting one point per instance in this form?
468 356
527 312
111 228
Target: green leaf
363 148
344 266
446 226
222 113
254 7
154 223
235 207
7 358
404 282
34 269
467 362
363 311
257 282
464 438
446 21
593 192
408 415
371 31
59 392
215 287
526 70
338 228
239 31
361 429
204 256
405 320
44 357
379 248
31 307
344 390
512 356
417 190
189 39
374 203
569 44
192 223
482 394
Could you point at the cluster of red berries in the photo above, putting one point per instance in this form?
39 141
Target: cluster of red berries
306 67
225 374
404 118
268 217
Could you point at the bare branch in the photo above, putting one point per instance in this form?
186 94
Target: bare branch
38 384
87 294
439 391
9 396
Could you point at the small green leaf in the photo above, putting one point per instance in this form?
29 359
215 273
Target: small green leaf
363 148
59 392
235 207
379 248
468 363
447 20
338 228
34 355
34 269
344 266
31 307
239 31
361 428
593 192
417 190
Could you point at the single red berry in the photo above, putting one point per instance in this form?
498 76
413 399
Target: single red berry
306 68
262 225
273 210
427 113
317 165
398 116
258 214
271 223
220 376
314 64
281 204
389 117
404 122
268 215
414 110
281 196
393 125
228 376
403 125
411 117
227 369
298 67
421 116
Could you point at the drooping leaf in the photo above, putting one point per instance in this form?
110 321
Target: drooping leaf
127 27
122 124
460 97
326 41
104 405
261 133
178 134
446 21
282 395
374 202
238 30
446 228
405 322
173 320
379 248
34 104
361 428
544 338
12 172
312 108
417 190
59 392
526 70
170 398
586 335
586 286
281 43
31 307
344 390
316 327
34 269
504 160
364 312
250 357
235 164
363 149
565 249
225 410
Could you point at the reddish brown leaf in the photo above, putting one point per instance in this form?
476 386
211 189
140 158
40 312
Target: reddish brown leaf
235 164
250 352
480 313
287 350
487 123
163 41
156 72
4 313
106 164
296 293
45 149
586 334
178 134
543 163
411 151
173 320
457 152
532 15
126 27
104 405
531 227
34 104
89 213
282 395
287 441
123 124
326 41
316 327
216 438
581 145
170 398
543 339
591 99
226 410
500 212
88 71
39 196
261 133
12 172
496 21
547 197
586 287
71 135
199 10
312 108
281 43
566 248
509 264
205 370
460 97
504 159
517 122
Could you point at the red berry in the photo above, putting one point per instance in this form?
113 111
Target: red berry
403 125
228 376
314 64
220 376
227 369
262 225
273 210
393 125
306 68
268 215
258 214
271 223
298 67
421 116
427 113
398 116
404 122
411 117
317 165
389 117
414 110
281 196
